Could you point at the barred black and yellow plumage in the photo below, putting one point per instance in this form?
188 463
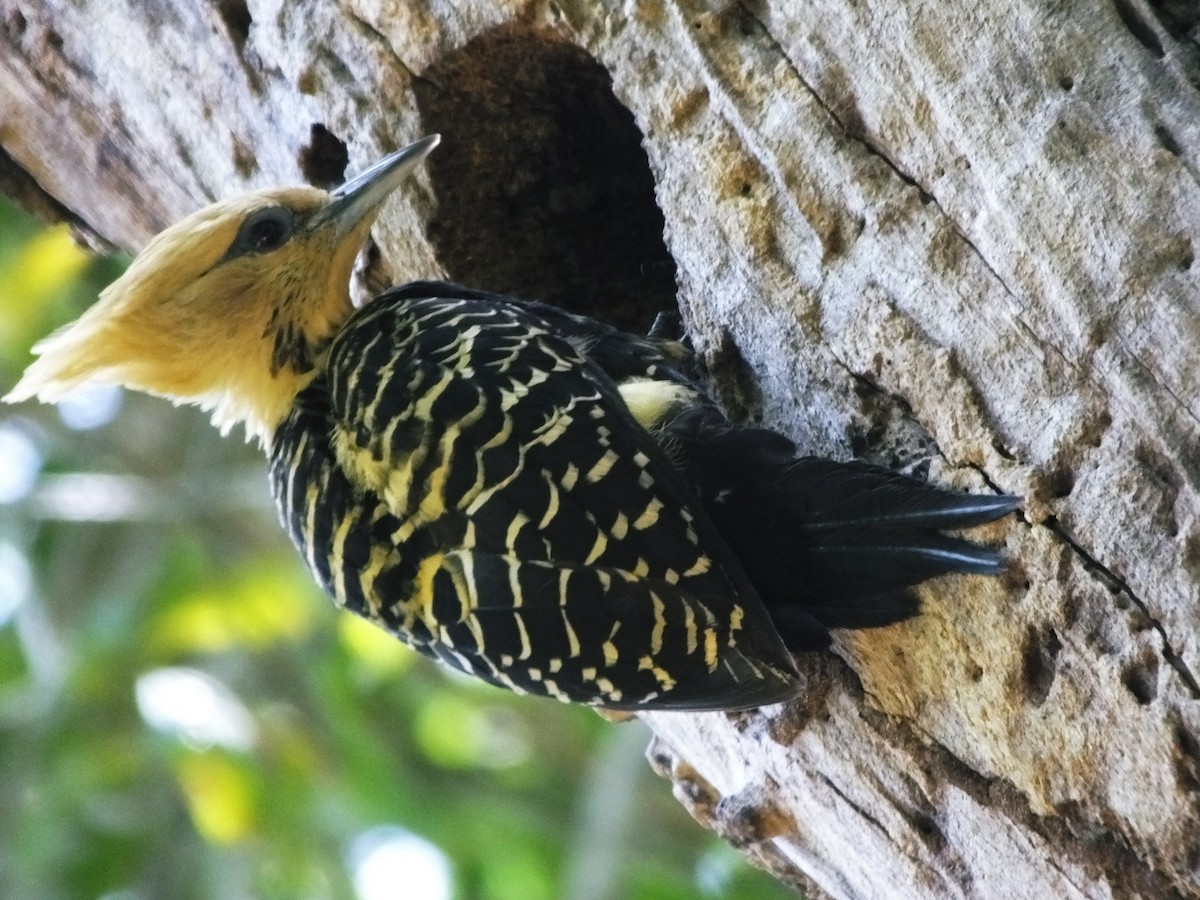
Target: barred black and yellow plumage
528 496
487 497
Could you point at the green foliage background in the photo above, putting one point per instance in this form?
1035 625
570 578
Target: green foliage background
149 543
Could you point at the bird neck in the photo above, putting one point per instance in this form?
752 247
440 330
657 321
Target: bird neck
259 409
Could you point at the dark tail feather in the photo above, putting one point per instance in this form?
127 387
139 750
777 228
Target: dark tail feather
856 494
828 544
869 532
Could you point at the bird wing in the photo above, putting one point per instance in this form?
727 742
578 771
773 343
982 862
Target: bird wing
618 354
499 509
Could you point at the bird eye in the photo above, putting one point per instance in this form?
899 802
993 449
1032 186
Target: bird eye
263 231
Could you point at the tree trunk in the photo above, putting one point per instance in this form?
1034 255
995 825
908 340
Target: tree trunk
957 237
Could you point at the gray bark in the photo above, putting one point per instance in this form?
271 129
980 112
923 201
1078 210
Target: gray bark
954 236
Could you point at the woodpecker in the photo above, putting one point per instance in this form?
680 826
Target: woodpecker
528 496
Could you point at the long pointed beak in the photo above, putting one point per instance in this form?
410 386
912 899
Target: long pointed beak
363 194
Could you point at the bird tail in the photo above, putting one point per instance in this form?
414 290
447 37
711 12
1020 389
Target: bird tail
830 544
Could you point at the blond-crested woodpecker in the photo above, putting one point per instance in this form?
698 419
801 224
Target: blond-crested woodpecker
527 495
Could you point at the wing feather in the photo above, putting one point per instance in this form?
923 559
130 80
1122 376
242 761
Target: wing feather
518 520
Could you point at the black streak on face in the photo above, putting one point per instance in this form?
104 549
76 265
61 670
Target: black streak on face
292 349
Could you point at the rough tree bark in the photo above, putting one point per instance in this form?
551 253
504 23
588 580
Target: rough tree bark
960 236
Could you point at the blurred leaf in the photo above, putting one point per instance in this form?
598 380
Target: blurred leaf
458 731
518 876
253 609
45 266
13 669
45 280
220 796
377 652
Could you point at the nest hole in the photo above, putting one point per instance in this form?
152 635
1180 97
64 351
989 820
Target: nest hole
543 188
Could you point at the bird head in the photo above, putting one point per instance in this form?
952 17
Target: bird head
232 308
